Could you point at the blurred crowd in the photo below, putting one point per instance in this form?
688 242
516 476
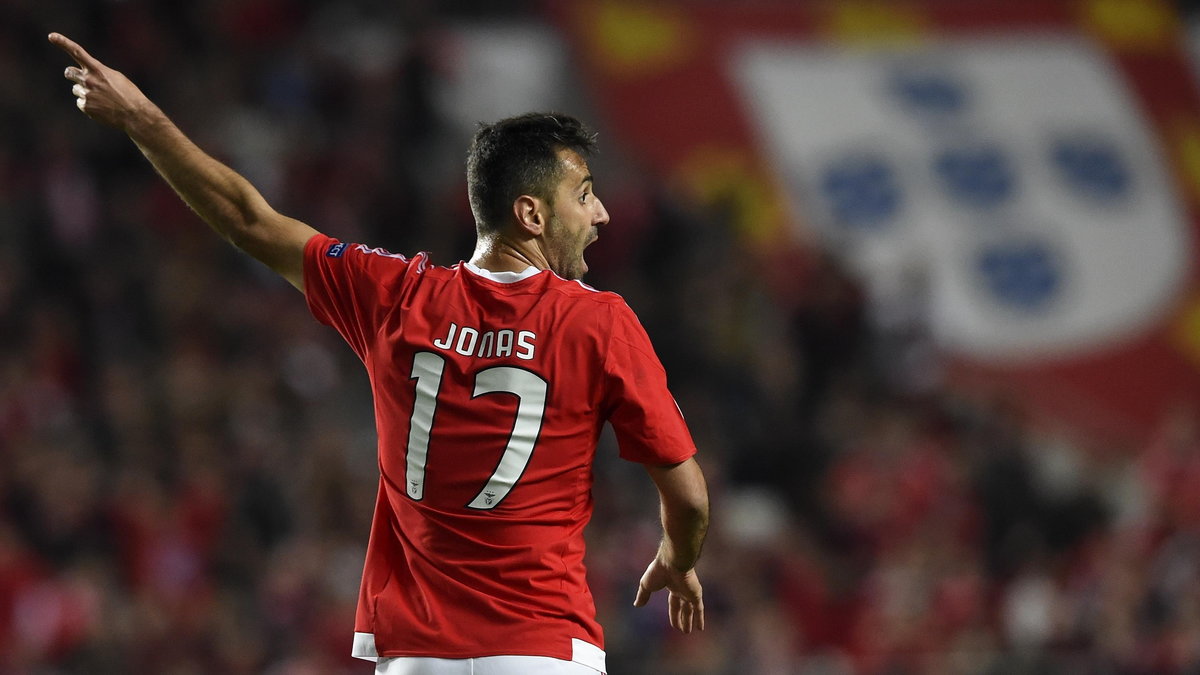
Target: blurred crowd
187 459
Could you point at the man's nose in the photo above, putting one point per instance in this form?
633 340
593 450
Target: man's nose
601 213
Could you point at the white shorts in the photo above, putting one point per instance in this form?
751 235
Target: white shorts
486 665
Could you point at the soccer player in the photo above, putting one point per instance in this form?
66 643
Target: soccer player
492 379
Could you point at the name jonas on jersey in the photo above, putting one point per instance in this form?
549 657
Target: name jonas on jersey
470 341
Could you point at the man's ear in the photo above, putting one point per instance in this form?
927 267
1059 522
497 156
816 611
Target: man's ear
530 214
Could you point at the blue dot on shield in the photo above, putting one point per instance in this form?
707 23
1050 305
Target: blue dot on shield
862 192
929 92
976 176
1092 167
1021 275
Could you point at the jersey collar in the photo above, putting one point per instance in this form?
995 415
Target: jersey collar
503 277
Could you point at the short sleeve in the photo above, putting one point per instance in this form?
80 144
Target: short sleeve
346 285
648 423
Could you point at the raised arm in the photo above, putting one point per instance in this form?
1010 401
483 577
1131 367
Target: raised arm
223 198
684 497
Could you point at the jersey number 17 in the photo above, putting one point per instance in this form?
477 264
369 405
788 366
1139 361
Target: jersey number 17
530 391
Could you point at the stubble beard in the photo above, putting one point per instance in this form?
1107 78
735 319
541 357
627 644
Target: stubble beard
567 259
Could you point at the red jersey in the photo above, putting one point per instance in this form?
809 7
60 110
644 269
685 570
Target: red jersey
490 393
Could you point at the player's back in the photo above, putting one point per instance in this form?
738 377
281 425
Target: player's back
488 389
495 369
490 393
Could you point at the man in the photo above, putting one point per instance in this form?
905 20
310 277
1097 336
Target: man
492 380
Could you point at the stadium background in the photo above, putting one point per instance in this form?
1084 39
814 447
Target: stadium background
946 432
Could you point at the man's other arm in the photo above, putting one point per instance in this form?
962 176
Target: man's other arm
223 198
684 498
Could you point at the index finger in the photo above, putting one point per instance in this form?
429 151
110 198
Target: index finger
73 49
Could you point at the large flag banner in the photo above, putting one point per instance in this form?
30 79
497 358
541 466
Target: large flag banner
1030 168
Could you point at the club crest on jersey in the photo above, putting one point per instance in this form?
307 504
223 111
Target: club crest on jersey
336 250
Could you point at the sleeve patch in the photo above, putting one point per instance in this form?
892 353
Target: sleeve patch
336 250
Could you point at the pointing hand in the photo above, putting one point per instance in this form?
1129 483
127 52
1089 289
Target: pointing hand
100 92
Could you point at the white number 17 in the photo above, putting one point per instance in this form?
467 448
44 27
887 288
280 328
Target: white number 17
530 391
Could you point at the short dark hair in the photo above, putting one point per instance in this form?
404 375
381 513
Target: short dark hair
517 156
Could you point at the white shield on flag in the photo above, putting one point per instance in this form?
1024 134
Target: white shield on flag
1017 173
